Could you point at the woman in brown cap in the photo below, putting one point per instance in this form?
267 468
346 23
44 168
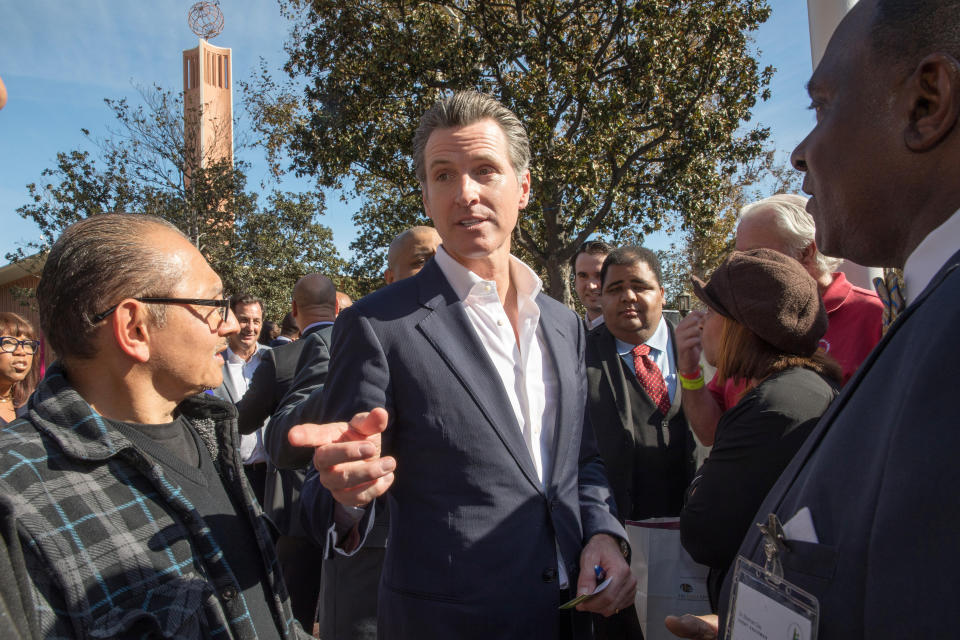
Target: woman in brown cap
764 323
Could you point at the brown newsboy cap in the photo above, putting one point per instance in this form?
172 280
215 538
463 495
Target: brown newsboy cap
772 295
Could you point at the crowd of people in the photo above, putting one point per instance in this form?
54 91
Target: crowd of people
458 455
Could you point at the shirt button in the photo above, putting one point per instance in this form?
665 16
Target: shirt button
499 323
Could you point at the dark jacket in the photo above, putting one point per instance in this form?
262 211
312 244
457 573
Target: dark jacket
648 456
103 543
879 476
474 534
756 439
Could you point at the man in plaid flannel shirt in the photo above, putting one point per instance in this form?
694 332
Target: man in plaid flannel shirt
124 510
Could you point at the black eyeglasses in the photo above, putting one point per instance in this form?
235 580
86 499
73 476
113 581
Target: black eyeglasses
223 305
9 344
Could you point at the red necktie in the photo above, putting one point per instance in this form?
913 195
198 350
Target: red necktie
650 377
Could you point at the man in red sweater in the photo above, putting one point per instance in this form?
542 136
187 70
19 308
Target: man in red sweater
782 223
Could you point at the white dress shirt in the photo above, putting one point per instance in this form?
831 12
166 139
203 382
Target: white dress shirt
660 352
251 445
525 367
931 254
593 324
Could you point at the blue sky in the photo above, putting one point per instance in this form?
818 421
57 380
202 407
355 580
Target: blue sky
60 59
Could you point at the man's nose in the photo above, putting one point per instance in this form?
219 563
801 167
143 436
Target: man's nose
229 326
798 158
467 191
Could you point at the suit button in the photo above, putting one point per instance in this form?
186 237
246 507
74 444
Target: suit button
549 575
229 593
554 503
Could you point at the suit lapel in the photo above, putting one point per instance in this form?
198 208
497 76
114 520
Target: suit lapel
557 343
779 491
228 383
448 329
613 374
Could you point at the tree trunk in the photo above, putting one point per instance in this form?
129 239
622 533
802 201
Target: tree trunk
558 277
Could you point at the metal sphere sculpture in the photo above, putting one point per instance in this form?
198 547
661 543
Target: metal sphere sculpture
206 19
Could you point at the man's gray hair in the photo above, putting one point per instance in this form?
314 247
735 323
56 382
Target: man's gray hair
93 265
794 225
463 109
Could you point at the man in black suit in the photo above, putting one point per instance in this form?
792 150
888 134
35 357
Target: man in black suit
634 395
869 505
314 308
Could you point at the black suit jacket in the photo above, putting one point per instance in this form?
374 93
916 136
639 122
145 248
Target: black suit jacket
641 448
271 382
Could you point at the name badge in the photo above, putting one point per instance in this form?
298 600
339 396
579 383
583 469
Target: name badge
766 607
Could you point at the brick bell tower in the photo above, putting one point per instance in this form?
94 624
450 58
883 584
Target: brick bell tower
207 91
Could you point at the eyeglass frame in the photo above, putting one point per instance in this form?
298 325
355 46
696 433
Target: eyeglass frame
222 303
20 343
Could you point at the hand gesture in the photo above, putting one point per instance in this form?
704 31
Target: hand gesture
347 456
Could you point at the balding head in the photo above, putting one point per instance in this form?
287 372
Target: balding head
314 300
343 301
409 251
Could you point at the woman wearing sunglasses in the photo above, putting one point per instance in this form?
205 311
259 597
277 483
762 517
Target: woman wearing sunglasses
18 345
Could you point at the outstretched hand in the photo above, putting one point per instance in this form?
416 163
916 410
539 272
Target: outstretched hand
347 456
694 627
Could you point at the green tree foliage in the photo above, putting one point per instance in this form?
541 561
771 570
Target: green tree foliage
633 107
704 247
142 167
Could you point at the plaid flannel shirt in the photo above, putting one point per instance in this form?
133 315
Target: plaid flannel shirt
103 544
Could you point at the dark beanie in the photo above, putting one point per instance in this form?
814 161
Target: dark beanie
772 295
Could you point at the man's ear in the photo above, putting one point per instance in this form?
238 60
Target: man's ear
131 328
808 255
388 275
524 189
934 94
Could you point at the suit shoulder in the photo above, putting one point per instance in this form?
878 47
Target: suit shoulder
558 311
384 303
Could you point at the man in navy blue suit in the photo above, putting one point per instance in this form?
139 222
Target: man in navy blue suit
869 504
499 508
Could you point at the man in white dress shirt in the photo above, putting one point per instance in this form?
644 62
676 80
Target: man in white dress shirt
500 509
240 359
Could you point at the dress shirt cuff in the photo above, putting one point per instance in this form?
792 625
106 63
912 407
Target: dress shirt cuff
346 521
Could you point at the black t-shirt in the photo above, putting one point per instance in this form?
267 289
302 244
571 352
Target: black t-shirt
177 447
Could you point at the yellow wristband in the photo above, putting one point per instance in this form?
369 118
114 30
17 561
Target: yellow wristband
692 384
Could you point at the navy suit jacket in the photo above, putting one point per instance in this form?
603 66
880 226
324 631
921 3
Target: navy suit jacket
879 474
473 542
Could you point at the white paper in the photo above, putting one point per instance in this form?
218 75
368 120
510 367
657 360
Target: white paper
758 617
